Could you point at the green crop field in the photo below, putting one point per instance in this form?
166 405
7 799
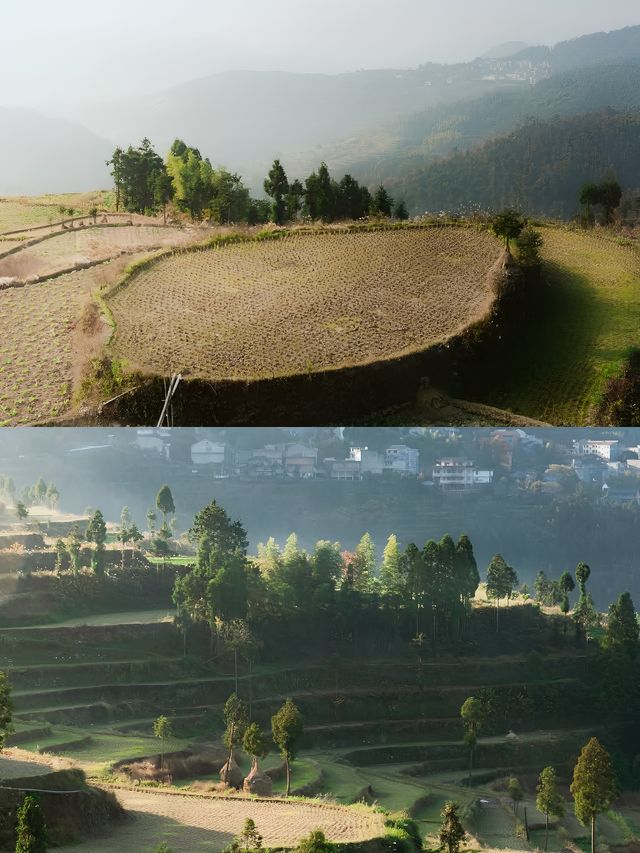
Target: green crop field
32 211
592 318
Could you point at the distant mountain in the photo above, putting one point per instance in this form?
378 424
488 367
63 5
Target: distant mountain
395 149
585 50
243 119
539 167
504 50
48 155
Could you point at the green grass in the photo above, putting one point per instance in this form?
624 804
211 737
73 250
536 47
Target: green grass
135 617
562 360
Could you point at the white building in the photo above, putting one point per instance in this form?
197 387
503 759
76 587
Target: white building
402 459
458 474
153 441
207 452
607 450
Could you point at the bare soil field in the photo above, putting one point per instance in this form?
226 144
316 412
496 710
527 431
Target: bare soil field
85 245
193 824
303 303
40 345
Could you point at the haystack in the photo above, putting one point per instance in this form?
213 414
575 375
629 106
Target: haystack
231 774
258 783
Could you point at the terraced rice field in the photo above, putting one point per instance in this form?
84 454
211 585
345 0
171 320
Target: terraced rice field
303 303
16 214
30 211
193 824
39 358
85 245
36 325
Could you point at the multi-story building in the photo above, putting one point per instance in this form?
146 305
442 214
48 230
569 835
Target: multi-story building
605 449
402 459
458 474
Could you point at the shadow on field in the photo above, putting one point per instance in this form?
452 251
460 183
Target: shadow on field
145 831
545 370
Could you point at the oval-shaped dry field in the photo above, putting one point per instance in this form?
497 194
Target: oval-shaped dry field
303 303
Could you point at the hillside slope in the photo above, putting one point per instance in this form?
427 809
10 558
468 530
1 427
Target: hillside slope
39 154
394 149
539 167
246 118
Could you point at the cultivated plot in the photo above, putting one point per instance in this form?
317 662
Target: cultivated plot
66 249
189 824
303 303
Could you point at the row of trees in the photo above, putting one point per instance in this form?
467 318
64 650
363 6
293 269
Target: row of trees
40 493
144 183
322 197
435 583
69 551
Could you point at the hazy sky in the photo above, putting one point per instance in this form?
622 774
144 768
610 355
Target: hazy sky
58 52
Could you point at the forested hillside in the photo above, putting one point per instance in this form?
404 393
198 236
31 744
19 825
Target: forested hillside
539 167
392 150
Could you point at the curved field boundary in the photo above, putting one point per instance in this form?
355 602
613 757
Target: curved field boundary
47 225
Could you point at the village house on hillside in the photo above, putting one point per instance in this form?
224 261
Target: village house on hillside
459 474
607 449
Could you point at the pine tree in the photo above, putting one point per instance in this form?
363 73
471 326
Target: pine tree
548 799
622 626
286 728
276 185
452 833
593 786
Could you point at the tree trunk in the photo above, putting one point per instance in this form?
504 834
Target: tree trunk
288 777
497 615
546 831
470 764
593 834
235 665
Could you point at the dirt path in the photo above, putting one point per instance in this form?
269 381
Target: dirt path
193 824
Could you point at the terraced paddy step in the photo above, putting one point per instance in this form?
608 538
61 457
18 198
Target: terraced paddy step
105 672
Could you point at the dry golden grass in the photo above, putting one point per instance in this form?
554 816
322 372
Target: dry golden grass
303 303
193 824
